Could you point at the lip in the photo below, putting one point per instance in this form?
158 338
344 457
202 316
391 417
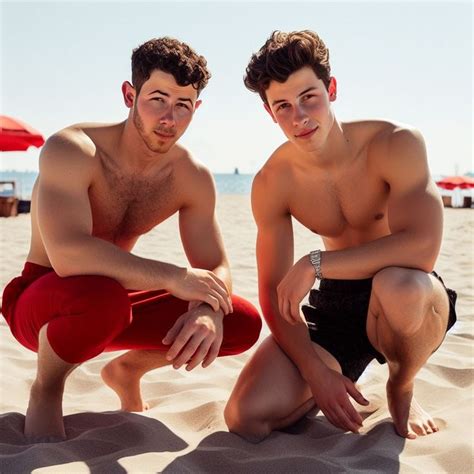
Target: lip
307 133
163 135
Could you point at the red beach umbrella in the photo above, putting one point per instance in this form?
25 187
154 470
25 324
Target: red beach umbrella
452 182
17 136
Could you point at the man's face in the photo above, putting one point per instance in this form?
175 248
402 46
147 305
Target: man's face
301 106
163 110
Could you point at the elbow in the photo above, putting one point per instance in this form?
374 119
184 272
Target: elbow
426 253
63 261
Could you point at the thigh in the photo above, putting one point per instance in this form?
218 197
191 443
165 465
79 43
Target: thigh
153 315
270 386
53 298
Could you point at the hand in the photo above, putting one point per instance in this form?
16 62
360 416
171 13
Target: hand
201 285
330 391
196 337
293 288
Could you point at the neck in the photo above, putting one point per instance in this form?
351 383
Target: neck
132 152
335 149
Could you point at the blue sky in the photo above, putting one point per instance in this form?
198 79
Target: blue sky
64 62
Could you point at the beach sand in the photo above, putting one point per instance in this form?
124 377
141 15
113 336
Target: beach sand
184 430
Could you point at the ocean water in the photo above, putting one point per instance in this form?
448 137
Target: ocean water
225 183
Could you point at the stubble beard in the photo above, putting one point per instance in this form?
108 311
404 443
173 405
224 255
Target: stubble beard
151 141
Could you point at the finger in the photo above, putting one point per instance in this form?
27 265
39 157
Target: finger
173 332
345 420
212 353
199 354
333 418
286 311
212 301
188 351
222 289
351 412
180 341
354 393
223 299
295 310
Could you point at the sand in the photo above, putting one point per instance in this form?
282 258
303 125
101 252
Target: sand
184 430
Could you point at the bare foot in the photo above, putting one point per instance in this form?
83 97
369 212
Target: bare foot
125 382
409 418
44 416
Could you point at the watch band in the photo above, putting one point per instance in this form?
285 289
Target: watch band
315 259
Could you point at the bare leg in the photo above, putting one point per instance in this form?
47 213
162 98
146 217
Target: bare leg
44 416
407 321
270 393
123 375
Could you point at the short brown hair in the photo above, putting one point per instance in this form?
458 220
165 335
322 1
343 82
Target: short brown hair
282 55
172 56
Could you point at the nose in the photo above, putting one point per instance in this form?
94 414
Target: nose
167 118
300 117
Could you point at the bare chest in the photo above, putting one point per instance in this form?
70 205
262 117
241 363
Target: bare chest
125 207
348 208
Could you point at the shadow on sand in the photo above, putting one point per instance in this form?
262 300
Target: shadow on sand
98 440
309 446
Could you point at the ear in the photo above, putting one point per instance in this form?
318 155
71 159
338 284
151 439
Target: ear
197 104
269 110
128 92
332 89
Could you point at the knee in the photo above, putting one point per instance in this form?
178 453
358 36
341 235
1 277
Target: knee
247 321
403 295
244 422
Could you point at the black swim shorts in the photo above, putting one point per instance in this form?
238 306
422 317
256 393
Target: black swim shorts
337 317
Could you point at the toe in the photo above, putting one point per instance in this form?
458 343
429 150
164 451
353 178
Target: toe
433 426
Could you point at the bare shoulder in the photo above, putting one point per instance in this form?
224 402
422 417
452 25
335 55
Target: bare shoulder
194 176
392 148
68 151
277 169
272 184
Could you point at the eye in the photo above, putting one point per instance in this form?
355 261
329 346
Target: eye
308 96
158 99
283 106
181 104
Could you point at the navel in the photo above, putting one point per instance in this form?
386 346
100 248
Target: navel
379 216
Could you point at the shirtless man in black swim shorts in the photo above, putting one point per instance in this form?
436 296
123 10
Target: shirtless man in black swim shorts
365 188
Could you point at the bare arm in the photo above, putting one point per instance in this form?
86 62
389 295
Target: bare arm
200 232
415 217
274 259
330 389
67 167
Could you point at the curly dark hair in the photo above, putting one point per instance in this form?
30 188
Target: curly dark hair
172 56
282 55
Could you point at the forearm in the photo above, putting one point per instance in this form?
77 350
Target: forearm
94 256
401 249
293 339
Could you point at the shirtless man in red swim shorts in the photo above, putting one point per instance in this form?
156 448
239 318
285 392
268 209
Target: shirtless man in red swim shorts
82 290
365 188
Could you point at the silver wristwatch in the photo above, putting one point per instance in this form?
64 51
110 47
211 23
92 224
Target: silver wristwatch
315 259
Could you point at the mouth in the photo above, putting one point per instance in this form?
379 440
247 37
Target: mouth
164 135
305 134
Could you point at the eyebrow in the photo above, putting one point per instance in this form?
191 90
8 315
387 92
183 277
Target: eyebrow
299 95
183 99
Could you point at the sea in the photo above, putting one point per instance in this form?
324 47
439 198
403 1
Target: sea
226 183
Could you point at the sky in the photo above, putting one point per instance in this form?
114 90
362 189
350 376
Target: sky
410 62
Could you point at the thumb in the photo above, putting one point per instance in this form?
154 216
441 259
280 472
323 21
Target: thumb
354 393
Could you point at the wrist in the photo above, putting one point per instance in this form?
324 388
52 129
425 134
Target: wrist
315 258
204 308
312 368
